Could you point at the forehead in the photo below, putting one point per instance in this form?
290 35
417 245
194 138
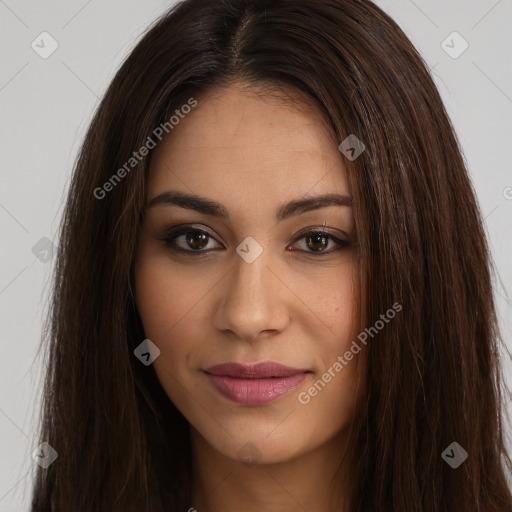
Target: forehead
251 141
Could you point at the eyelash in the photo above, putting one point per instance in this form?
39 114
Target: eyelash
170 241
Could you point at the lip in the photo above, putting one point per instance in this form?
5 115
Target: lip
255 384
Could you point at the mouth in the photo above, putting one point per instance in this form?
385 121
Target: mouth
255 384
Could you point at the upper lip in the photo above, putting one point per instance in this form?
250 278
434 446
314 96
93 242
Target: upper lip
254 371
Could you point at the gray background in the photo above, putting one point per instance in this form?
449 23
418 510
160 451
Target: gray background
46 105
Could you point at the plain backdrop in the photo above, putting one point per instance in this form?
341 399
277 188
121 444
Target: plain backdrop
47 103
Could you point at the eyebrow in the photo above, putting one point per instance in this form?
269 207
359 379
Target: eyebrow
209 207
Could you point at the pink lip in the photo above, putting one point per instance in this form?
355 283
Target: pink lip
254 384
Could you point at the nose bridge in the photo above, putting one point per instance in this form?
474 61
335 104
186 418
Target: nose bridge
251 299
250 277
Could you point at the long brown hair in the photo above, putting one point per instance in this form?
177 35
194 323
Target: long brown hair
433 375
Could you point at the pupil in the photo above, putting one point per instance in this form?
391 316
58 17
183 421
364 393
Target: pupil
193 238
317 239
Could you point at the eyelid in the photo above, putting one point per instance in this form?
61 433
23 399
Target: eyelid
322 229
171 233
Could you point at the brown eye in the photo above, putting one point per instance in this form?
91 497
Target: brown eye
197 240
194 240
318 241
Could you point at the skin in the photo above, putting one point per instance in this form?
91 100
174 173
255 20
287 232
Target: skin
252 154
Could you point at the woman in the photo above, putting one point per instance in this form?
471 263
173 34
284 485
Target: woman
273 287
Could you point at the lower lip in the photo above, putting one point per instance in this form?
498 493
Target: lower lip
255 391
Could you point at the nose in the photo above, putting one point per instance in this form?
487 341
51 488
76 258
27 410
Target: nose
253 299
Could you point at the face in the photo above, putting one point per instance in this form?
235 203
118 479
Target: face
239 277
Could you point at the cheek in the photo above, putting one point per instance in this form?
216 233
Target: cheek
153 296
172 307
161 306
164 309
337 305
165 298
334 299
339 310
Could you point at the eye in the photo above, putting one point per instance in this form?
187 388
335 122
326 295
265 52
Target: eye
318 240
195 242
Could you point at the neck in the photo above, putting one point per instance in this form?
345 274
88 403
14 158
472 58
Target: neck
310 481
